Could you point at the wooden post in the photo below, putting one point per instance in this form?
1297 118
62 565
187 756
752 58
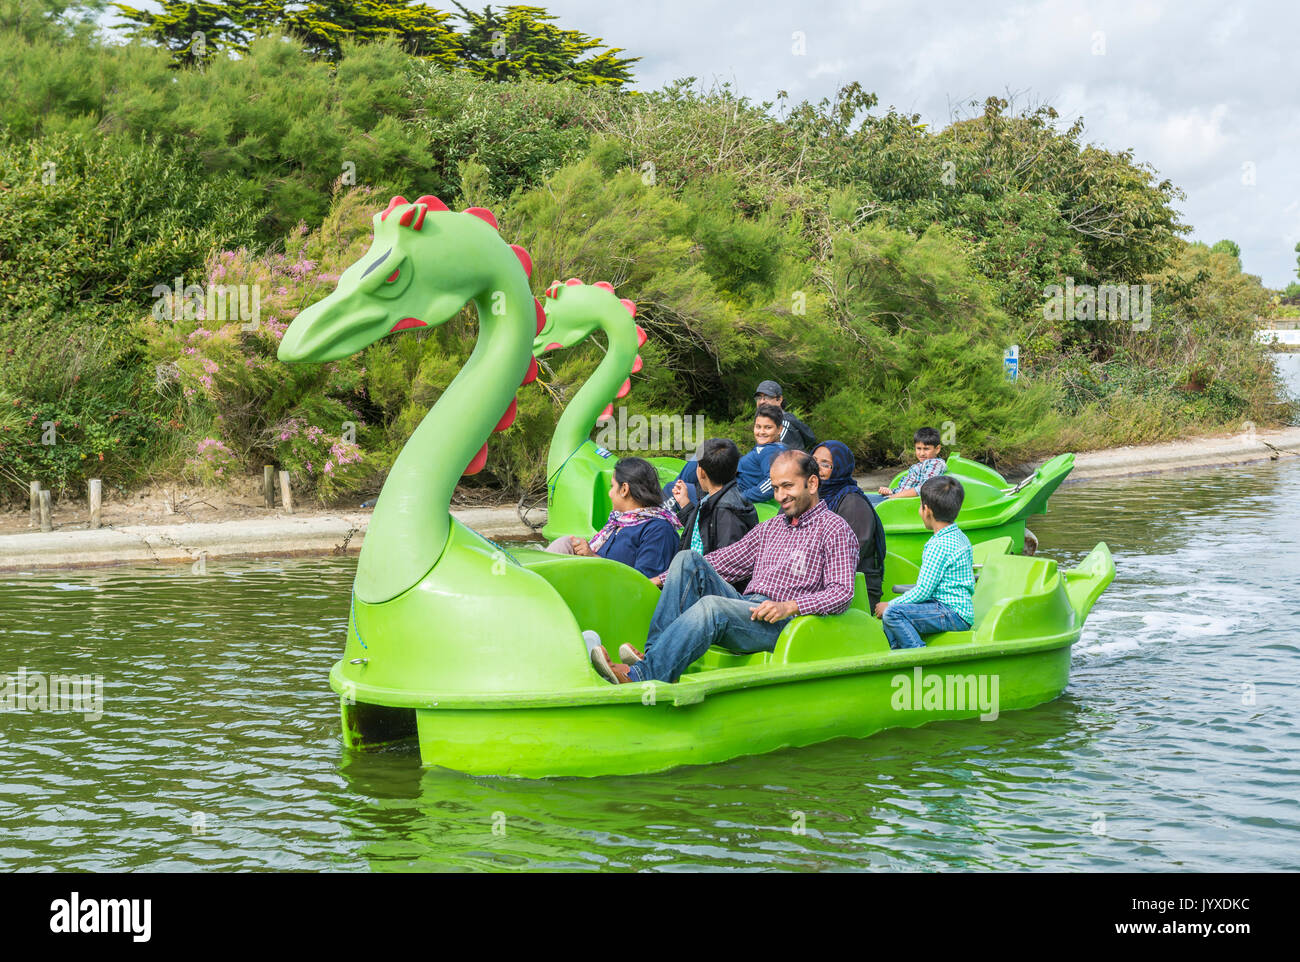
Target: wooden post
96 500
268 484
46 524
286 496
35 491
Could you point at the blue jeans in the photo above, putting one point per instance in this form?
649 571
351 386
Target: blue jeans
698 609
876 498
905 624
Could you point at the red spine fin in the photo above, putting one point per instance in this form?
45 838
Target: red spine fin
484 214
637 364
480 459
531 376
523 258
541 315
508 418
627 386
431 202
393 204
604 285
631 308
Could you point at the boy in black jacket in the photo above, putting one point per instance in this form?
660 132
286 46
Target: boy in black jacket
794 433
722 517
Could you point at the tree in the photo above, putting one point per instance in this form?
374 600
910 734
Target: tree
193 32
522 42
43 18
1227 247
324 25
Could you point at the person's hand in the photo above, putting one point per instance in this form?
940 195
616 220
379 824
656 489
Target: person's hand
582 547
773 611
880 608
681 493
883 490
658 580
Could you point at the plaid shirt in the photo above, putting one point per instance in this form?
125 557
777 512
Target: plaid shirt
920 473
947 573
811 560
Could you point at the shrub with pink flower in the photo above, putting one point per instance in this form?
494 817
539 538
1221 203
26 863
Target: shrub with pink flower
212 463
231 390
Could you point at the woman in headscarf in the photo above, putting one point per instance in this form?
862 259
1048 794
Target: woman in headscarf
640 531
843 496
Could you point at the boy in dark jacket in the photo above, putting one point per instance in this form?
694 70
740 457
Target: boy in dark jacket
722 517
794 433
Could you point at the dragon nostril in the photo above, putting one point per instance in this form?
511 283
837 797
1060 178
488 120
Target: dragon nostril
392 277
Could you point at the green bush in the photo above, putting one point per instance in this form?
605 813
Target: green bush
89 226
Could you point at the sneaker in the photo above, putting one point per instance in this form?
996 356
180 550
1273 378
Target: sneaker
611 671
592 640
630 655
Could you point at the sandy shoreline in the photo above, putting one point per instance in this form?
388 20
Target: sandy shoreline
262 532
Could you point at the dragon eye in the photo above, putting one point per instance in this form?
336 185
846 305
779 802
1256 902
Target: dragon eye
392 277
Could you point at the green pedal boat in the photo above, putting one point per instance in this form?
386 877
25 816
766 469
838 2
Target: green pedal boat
478 709
476 654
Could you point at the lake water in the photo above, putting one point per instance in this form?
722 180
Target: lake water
1175 747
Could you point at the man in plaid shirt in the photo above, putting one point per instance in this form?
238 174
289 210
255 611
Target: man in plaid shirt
926 446
802 562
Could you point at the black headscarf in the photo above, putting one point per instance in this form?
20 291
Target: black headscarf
840 483
834 489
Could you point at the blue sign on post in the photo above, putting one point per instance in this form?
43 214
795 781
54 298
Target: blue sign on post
1011 362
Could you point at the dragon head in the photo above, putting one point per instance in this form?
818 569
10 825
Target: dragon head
424 264
574 311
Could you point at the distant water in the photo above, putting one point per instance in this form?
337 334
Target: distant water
1176 746
1289 367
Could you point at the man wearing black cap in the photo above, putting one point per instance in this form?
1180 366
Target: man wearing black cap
794 433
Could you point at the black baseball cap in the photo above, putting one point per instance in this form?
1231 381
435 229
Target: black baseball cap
770 388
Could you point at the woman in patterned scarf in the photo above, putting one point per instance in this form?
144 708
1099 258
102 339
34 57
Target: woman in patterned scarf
640 531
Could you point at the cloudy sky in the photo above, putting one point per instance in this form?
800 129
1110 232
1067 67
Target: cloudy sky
1206 92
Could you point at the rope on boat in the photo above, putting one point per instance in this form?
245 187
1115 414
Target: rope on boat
352 617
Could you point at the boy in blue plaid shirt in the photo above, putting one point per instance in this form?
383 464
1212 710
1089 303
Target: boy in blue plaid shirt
941 599
926 446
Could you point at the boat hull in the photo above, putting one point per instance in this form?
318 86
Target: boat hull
656 733
827 677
